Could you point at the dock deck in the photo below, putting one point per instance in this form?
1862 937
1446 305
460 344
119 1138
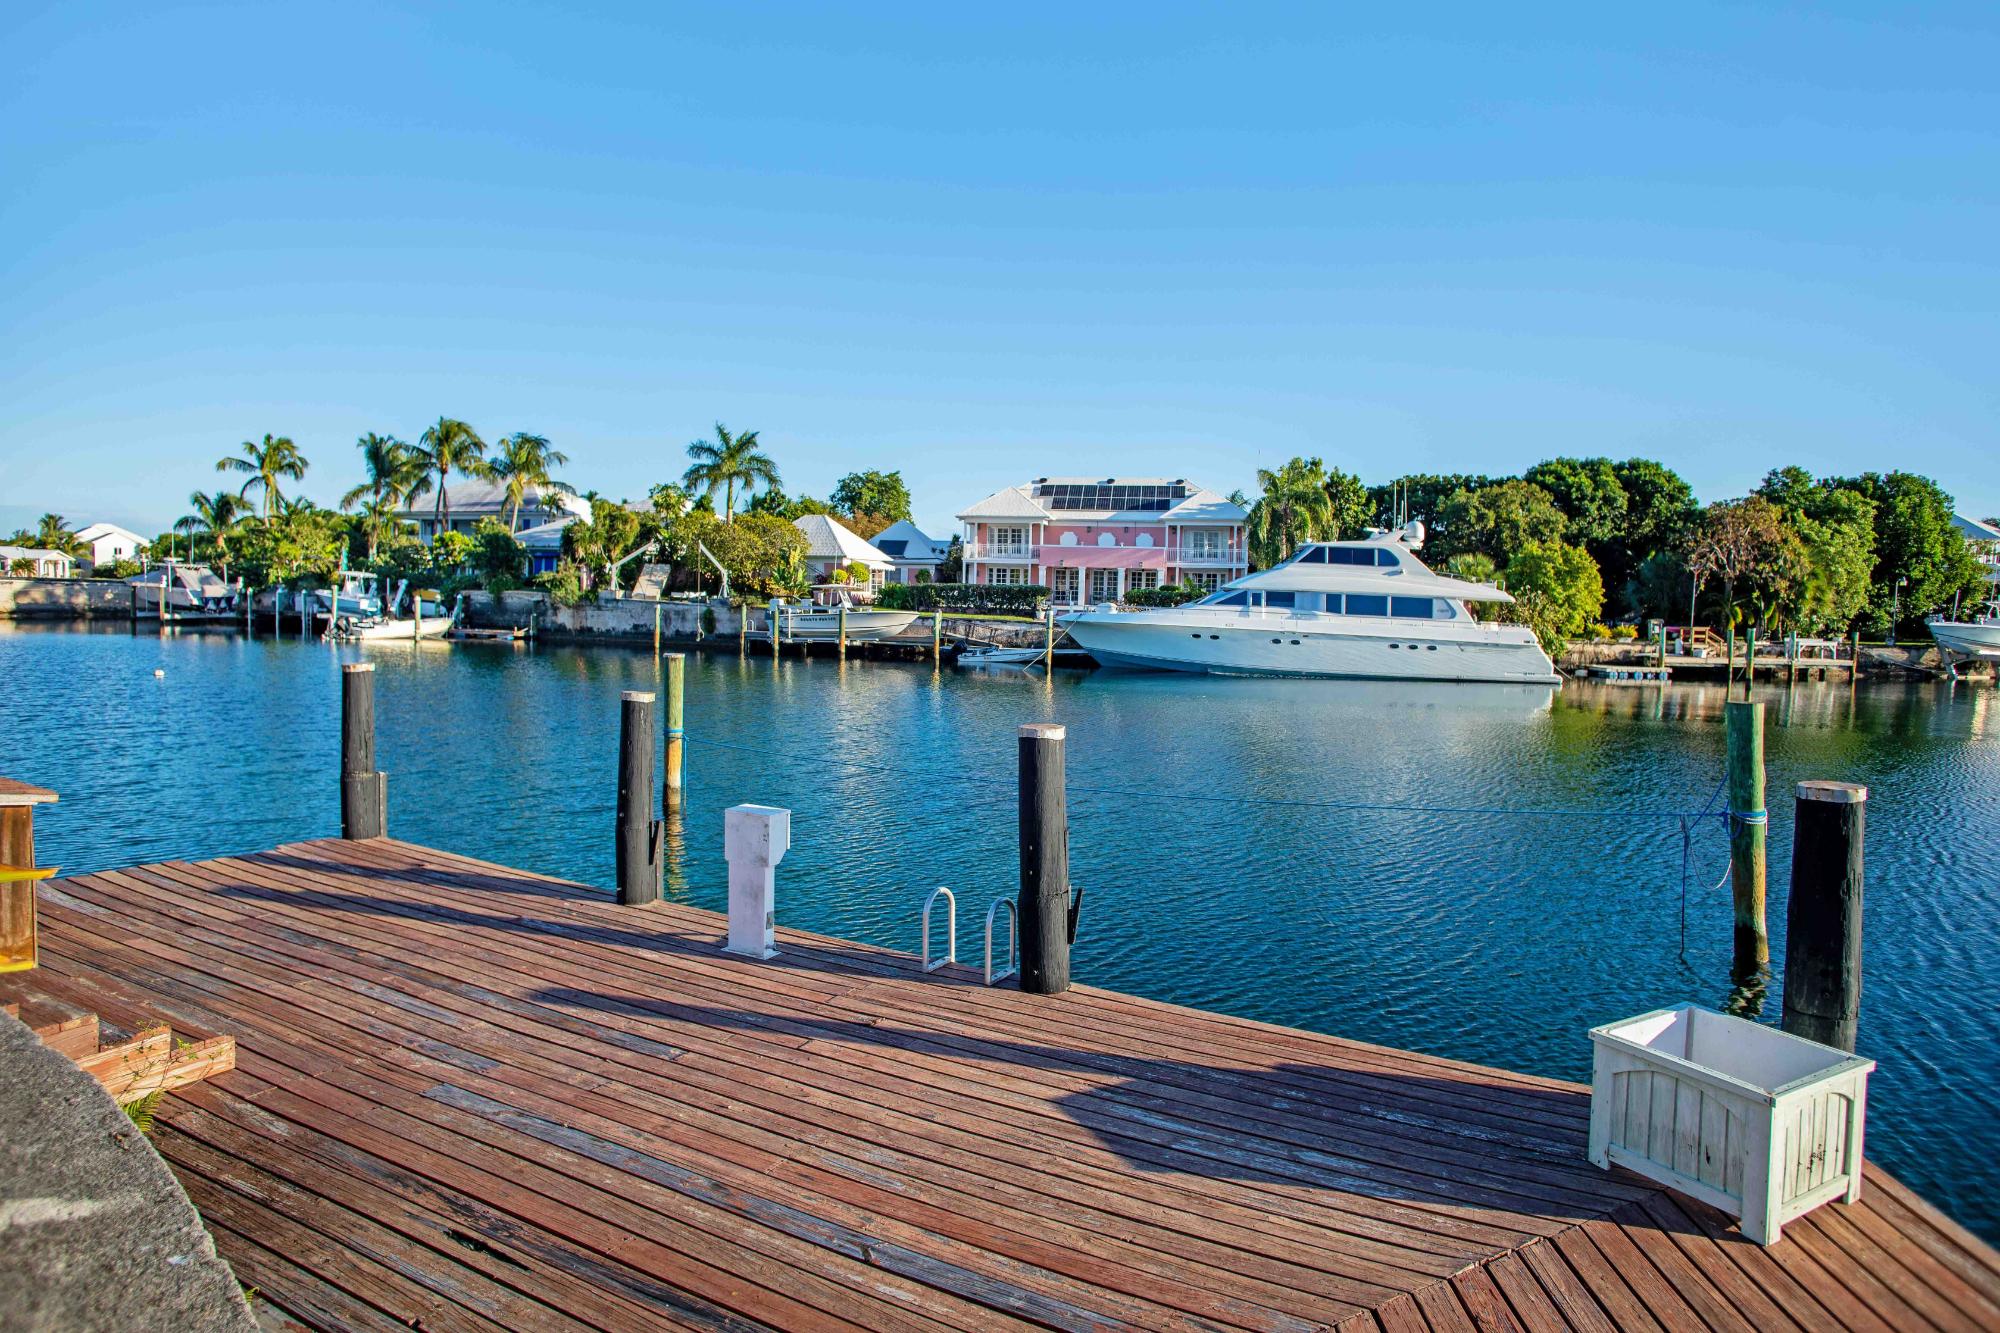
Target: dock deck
469 1097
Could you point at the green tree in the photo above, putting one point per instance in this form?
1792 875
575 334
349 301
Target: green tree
1834 530
267 464
395 473
727 463
448 446
52 533
214 517
524 461
1497 520
1735 541
599 542
1348 505
1421 496
761 552
879 494
1558 591
1591 497
668 499
1292 510
1916 542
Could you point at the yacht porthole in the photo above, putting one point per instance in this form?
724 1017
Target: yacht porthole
1277 641
1295 643
1431 647
1215 636
1395 645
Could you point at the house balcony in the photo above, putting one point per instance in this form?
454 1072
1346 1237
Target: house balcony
1014 552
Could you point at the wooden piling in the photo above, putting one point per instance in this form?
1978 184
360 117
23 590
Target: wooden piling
1823 921
937 635
364 792
249 603
18 876
638 833
1749 659
840 648
656 628
1049 638
1663 644
1744 727
772 611
1044 838
676 737
743 628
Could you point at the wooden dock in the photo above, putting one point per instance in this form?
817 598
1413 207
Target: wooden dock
469 1097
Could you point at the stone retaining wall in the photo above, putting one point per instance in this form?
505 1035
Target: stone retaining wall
64 599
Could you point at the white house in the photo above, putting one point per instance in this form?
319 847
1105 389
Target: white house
468 502
36 562
910 551
109 543
829 546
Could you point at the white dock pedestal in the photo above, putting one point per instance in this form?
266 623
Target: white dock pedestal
754 839
1763 1125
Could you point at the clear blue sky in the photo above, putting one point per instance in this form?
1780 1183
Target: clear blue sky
985 243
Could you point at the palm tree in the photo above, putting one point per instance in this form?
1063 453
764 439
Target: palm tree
213 517
732 461
395 473
276 457
1293 509
377 516
525 460
53 534
447 447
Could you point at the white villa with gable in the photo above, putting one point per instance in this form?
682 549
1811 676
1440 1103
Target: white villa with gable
1092 540
829 546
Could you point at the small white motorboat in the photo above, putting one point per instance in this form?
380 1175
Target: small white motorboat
815 623
1961 642
358 612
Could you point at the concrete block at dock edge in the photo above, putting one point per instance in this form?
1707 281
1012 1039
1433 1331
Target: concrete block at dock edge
95 1232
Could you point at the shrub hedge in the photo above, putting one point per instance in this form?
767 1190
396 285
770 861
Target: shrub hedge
993 599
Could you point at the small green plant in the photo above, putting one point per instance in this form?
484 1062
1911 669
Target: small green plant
142 1111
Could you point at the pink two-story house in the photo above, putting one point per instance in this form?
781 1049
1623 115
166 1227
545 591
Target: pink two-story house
1092 540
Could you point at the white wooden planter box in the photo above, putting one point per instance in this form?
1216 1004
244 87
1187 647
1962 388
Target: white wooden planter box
1763 1125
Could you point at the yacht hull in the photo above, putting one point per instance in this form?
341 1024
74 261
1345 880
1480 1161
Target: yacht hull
1310 647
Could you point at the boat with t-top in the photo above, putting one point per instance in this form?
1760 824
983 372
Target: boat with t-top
1367 609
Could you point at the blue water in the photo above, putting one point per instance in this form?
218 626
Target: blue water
1500 939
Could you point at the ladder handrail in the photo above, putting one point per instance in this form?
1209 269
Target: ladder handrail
1013 940
950 928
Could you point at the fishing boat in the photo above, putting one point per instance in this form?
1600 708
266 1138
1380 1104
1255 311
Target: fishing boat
1976 639
1362 609
823 621
354 609
188 590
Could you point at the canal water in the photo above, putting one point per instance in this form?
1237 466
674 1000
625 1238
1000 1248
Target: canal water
1211 827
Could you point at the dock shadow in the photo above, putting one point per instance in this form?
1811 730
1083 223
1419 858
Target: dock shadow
1401 1137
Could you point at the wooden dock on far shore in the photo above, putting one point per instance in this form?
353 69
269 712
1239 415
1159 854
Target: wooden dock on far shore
468 1097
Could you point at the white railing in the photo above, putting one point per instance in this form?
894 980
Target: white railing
1079 554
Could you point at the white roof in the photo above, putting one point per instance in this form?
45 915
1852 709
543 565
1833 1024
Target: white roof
906 543
1014 502
1205 506
466 498
1975 531
545 536
30 553
98 531
828 540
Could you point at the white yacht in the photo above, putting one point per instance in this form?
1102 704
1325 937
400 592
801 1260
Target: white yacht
1366 608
